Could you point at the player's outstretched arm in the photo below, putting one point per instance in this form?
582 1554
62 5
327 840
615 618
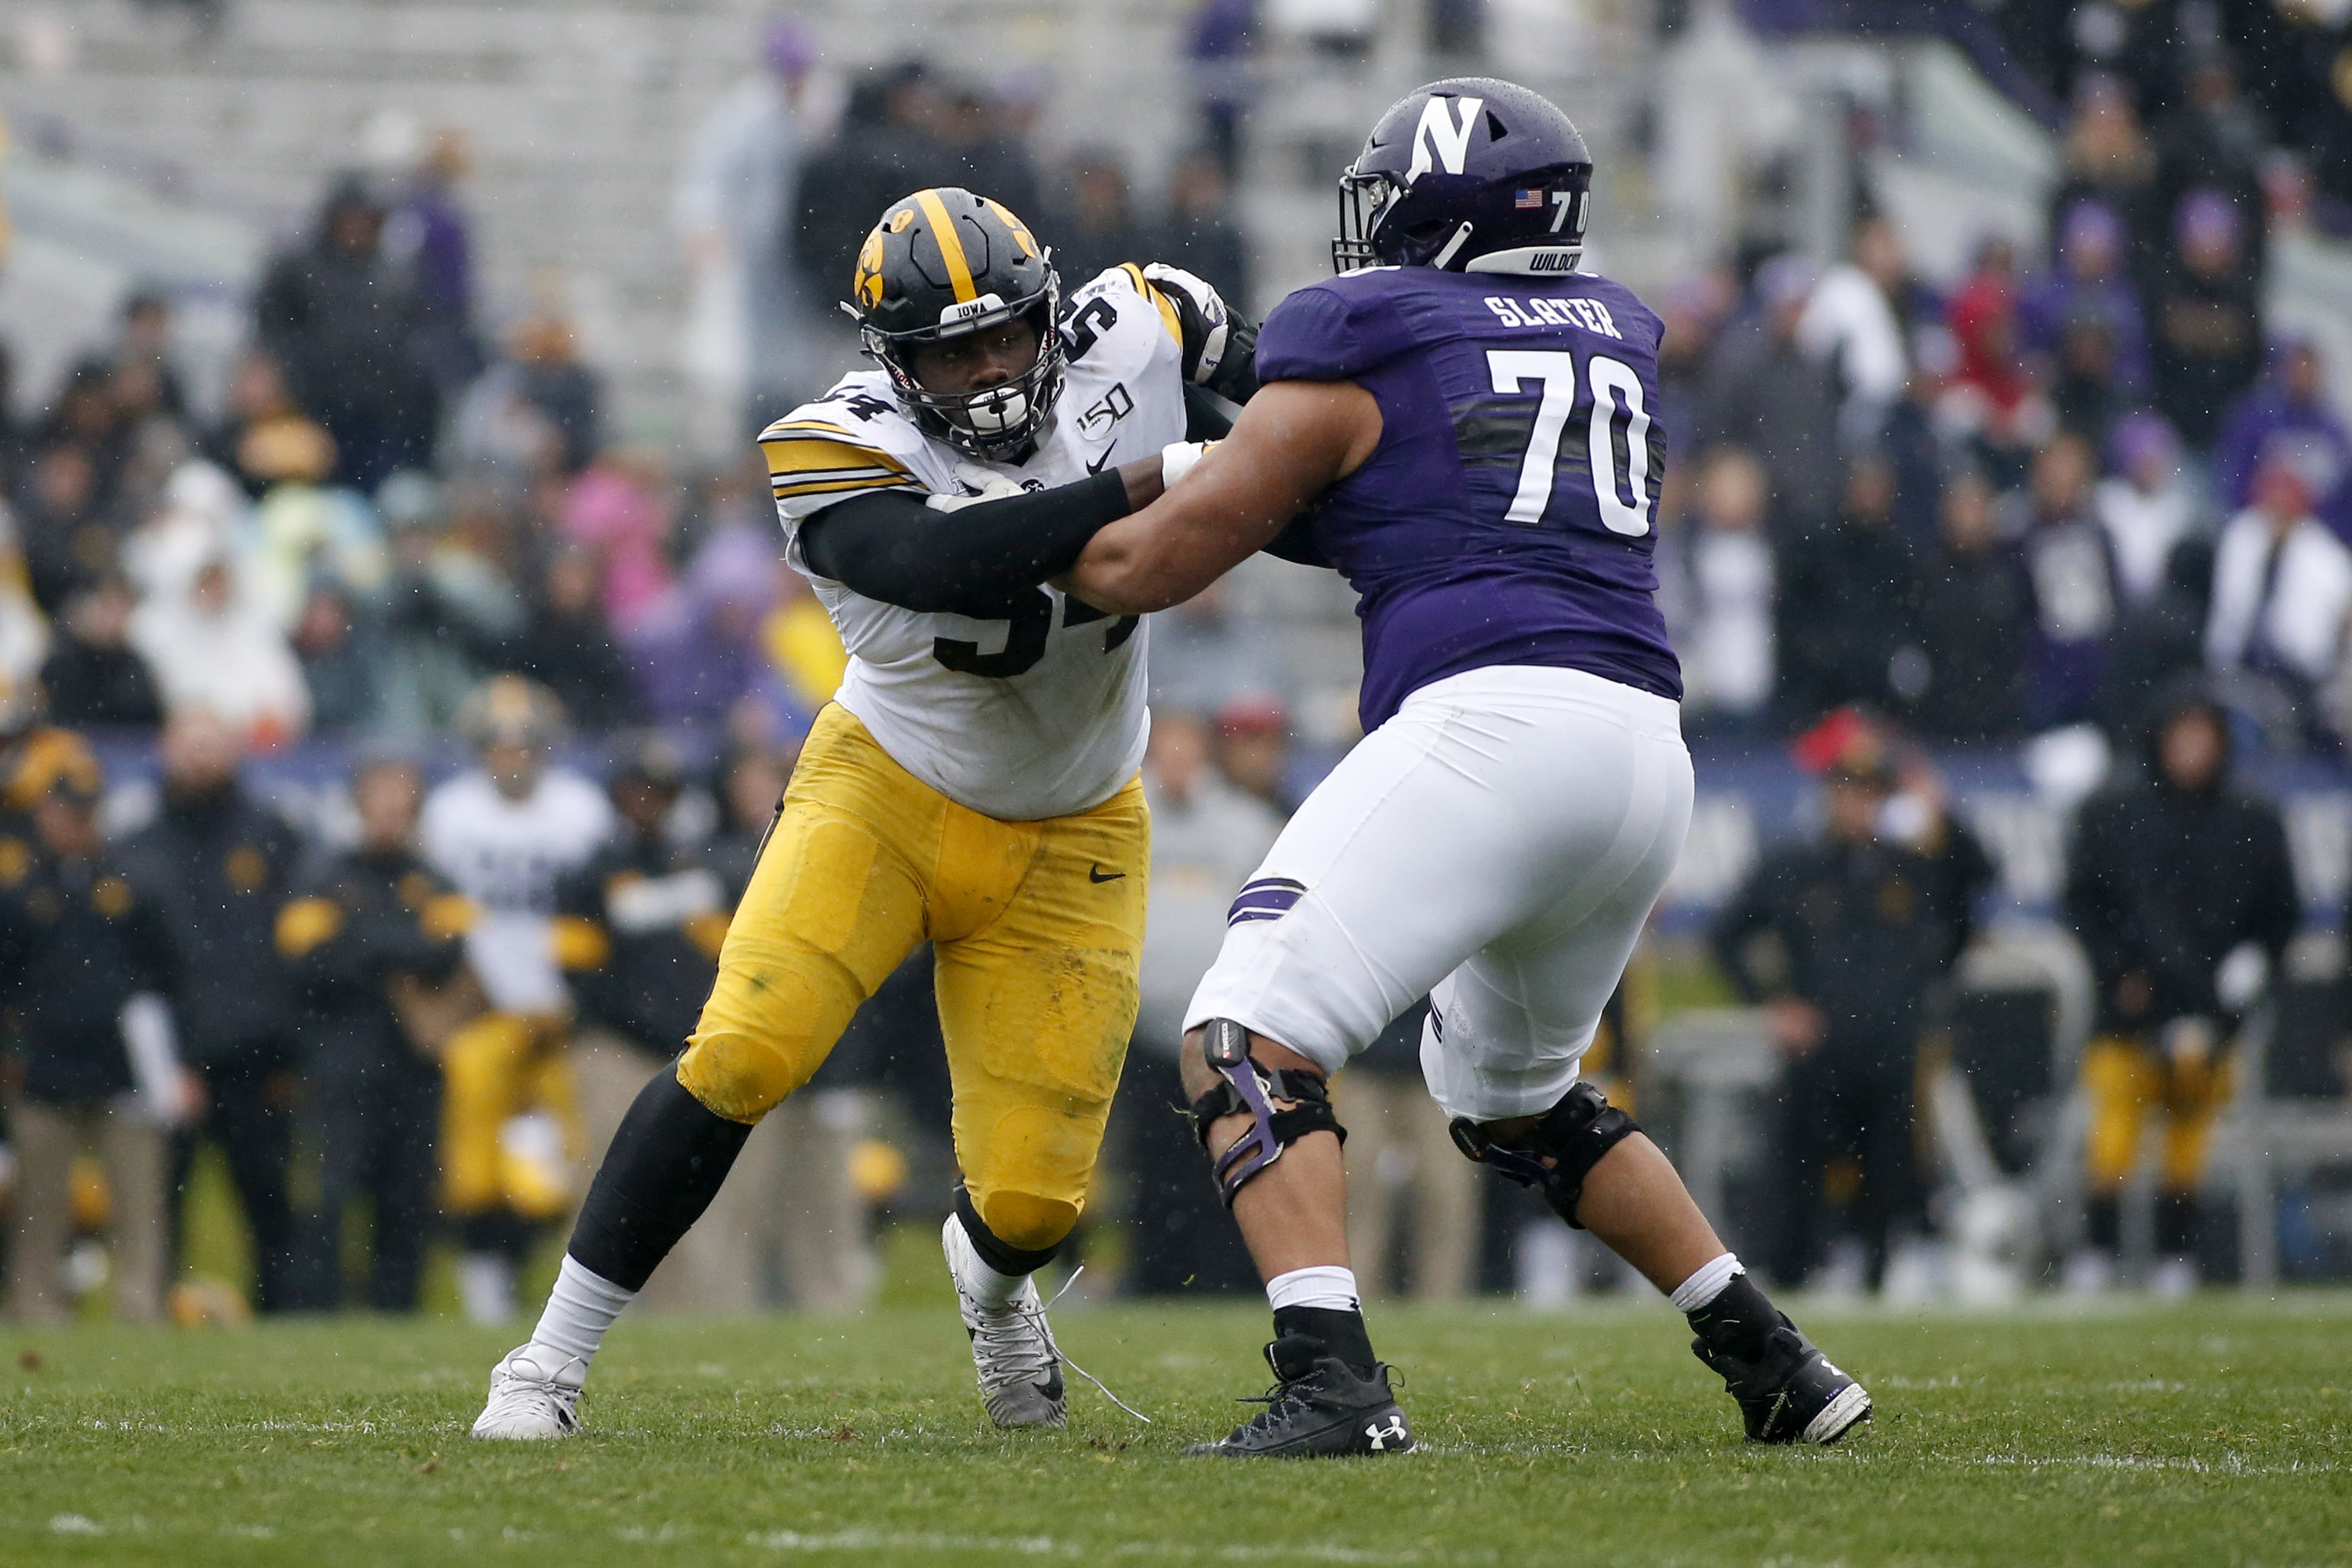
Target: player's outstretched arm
1293 440
903 548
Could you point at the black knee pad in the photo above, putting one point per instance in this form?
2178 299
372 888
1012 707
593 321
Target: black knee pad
994 1250
1573 1134
1245 1088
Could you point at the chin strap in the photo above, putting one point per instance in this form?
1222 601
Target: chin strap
1248 1086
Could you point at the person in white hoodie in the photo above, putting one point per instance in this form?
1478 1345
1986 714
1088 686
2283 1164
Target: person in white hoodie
2145 509
2281 591
1851 320
214 645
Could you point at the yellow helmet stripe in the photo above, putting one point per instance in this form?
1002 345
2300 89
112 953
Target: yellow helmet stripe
950 245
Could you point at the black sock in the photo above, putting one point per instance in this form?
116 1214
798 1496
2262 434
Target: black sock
1341 1329
1738 1321
2176 1224
665 1167
2103 1217
993 1249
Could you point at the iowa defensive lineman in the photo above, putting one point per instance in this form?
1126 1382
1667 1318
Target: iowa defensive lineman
974 785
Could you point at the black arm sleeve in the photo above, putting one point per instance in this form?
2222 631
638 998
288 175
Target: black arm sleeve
975 561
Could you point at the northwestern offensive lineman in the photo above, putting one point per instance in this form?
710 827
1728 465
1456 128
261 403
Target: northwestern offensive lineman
1474 422
973 786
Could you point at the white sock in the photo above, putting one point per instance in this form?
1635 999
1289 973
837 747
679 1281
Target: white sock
486 1287
975 1278
1324 1285
1706 1283
580 1311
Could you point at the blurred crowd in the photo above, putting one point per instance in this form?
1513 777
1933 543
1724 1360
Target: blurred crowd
2029 500
376 520
782 185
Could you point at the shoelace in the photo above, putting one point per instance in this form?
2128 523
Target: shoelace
1013 1344
514 1396
515 1383
1281 1401
1036 1317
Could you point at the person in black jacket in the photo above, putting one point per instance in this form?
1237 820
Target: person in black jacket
2180 885
567 645
371 1113
355 334
219 865
1867 920
93 676
1849 621
640 924
1976 614
89 964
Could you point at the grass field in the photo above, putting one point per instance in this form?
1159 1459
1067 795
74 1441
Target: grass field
2209 1434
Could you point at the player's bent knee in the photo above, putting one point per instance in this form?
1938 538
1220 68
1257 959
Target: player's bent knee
738 1077
1559 1151
1243 1088
1027 1222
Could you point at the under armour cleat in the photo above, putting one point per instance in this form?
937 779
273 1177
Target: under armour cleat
1012 1349
532 1396
1791 1394
1319 1407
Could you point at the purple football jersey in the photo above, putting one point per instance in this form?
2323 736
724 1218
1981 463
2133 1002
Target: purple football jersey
1508 514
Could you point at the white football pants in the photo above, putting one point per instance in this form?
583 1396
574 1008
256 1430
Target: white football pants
1497 845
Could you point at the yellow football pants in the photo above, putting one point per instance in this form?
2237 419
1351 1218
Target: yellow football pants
1038 929
2125 1081
492 1069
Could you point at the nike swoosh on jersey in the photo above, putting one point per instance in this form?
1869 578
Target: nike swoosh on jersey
1097 466
1094 873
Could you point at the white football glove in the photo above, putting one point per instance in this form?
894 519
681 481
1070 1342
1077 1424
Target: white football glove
1177 460
1202 315
985 484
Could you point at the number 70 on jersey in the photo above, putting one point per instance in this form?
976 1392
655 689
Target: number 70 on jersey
1616 395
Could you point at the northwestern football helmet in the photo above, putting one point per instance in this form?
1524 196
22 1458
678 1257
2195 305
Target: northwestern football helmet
943 263
1468 174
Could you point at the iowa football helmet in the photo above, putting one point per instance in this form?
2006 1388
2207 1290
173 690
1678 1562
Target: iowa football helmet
943 263
1467 174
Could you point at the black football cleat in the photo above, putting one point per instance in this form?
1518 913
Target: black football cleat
1320 1408
1791 1394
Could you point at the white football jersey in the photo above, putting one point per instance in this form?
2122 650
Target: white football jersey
505 856
1037 717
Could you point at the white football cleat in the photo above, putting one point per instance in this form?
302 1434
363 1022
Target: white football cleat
1020 1367
533 1397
